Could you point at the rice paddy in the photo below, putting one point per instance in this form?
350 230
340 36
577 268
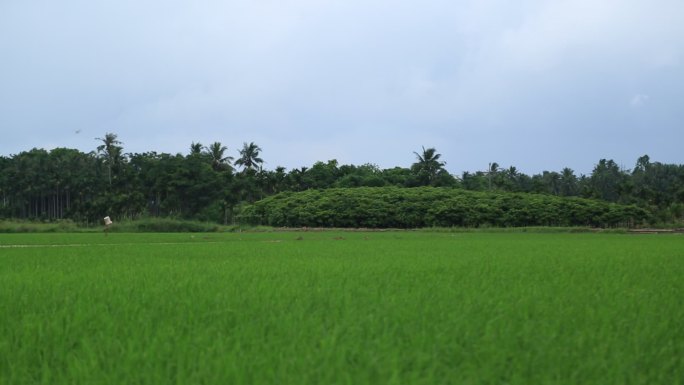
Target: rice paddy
341 308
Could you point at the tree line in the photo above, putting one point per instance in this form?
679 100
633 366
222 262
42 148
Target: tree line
208 184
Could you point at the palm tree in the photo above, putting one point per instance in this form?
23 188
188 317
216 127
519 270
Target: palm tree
428 165
552 181
510 176
492 171
215 151
568 182
111 151
512 172
196 148
249 157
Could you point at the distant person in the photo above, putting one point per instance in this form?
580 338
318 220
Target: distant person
107 224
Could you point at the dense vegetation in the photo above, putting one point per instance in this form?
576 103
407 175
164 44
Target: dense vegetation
208 185
341 308
392 207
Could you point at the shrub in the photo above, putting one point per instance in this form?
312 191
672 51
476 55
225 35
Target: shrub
164 225
60 226
395 207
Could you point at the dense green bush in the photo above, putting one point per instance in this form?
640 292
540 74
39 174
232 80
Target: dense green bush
60 226
164 225
393 207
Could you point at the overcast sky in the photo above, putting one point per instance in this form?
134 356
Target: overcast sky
537 84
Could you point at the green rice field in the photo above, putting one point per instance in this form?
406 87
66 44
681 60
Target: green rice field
342 308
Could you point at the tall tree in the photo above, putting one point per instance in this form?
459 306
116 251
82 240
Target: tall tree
607 180
111 151
552 182
196 149
249 157
568 182
323 175
492 172
428 166
216 152
642 164
510 179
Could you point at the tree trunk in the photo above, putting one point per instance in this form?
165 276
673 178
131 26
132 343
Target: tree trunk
225 213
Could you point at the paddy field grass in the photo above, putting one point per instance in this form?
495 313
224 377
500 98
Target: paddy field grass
341 308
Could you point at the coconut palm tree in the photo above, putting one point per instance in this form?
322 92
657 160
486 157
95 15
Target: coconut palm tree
492 171
215 151
196 148
552 182
568 182
249 157
428 165
110 150
510 178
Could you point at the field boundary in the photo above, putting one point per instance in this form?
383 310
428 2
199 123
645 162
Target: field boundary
657 231
20 246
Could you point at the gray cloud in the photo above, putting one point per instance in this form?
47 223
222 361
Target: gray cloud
536 84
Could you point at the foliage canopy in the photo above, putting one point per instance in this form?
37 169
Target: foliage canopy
393 207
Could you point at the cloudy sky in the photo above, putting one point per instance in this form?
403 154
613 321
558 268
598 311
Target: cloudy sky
533 83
